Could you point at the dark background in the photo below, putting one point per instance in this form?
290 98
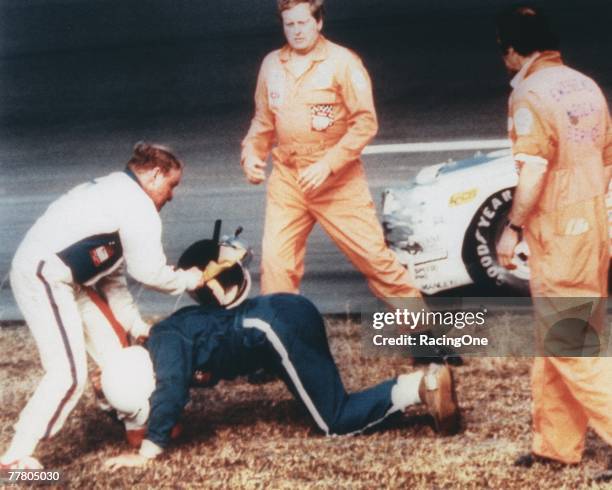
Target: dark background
77 60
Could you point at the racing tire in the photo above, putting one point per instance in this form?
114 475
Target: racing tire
479 254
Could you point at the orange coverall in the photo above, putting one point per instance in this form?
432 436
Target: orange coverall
327 114
559 114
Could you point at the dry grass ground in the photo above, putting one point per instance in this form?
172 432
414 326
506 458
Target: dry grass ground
244 436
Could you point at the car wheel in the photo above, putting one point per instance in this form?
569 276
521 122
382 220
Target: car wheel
480 256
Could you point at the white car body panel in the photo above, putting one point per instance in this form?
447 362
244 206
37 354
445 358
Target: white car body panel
440 224
426 220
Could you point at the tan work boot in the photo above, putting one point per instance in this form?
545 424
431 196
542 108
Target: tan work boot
437 392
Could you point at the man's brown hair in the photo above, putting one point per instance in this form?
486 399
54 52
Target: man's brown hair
316 7
147 156
527 29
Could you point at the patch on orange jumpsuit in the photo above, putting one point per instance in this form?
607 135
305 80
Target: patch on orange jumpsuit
322 116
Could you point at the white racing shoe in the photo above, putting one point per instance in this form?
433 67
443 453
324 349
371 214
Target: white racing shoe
25 463
437 392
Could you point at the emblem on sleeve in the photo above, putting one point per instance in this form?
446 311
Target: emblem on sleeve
275 98
276 88
523 121
101 254
322 116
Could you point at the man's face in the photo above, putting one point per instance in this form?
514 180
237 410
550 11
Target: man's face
510 58
301 28
161 186
511 63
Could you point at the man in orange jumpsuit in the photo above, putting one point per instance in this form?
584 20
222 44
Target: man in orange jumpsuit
314 102
561 135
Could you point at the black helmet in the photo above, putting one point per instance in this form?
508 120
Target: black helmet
225 264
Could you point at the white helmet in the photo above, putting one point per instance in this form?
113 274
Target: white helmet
127 381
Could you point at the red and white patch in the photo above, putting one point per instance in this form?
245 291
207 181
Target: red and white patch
322 116
101 254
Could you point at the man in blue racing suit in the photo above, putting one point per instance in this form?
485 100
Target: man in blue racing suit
283 333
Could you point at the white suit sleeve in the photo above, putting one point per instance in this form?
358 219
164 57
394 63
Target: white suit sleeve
121 302
146 262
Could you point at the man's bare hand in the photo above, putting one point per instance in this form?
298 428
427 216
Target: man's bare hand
255 170
126 460
313 176
505 248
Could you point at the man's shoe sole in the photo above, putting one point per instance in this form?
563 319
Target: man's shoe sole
442 399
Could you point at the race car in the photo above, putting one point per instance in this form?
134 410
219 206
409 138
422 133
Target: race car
445 223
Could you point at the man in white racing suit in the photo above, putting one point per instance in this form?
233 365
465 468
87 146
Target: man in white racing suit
71 262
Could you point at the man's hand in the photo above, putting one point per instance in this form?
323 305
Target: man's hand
196 271
313 176
255 169
505 248
127 460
